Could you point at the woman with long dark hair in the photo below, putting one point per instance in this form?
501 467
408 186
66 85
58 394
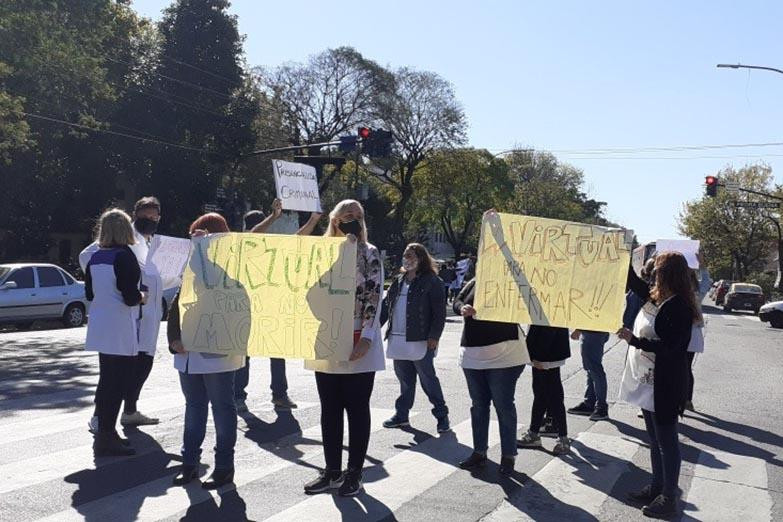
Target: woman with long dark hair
662 331
415 307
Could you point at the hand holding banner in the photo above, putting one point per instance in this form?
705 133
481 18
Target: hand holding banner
270 295
549 272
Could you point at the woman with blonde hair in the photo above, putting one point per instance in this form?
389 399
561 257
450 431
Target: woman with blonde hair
346 386
112 285
663 331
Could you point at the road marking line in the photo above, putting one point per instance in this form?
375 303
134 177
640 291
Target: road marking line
728 487
390 486
159 499
574 487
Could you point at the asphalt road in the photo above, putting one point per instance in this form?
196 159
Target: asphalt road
732 448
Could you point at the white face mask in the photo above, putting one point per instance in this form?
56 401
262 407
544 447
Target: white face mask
410 264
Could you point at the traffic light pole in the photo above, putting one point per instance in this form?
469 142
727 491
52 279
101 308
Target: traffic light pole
291 148
749 191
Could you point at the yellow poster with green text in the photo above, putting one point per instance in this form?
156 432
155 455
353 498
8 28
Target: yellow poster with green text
541 271
269 295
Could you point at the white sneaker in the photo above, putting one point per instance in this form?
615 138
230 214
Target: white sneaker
92 424
137 419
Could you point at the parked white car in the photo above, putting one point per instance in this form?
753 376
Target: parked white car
772 313
32 291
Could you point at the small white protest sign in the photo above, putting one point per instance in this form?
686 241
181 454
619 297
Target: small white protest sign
169 255
297 186
687 247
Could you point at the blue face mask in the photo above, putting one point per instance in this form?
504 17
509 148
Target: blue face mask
351 227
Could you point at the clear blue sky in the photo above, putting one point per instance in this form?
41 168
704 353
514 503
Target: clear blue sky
571 75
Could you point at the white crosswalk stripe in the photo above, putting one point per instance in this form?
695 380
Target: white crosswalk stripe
728 487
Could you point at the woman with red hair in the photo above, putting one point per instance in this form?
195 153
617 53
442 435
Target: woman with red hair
205 379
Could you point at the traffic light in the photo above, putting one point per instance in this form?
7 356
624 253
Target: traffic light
712 185
376 143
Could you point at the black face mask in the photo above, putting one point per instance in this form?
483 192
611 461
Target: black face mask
145 226
351 227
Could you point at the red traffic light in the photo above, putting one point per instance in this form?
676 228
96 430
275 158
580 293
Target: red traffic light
711 180
364 133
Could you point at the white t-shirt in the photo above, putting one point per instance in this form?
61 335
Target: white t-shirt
504 354
398 347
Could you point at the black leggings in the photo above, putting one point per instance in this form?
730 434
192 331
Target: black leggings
142 368
548 398
349 392
116 377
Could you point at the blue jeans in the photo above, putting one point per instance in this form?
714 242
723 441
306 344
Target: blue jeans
279 382
592 357
664 454
406 372
201 389
497 386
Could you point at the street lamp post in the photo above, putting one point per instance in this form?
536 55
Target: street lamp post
741 66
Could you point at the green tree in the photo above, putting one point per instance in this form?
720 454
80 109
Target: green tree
736 241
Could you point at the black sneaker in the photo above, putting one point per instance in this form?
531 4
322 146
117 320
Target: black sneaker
444 425
352 483
506 465
644 496
548 429
327 479
396 422
583 408
475 460
600 413
661 507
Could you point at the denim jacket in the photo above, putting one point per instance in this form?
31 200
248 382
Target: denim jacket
426 307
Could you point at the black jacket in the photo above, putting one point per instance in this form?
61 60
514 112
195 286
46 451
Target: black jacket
673 326
548 343
426 307
482 333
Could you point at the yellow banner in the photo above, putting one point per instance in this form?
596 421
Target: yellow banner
549 272
269 295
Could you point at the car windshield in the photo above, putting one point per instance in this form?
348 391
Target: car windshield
746 289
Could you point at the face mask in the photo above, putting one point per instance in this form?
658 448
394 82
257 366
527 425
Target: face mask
351 227
410 265
145 226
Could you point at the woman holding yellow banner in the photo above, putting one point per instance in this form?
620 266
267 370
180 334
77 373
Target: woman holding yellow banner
346 386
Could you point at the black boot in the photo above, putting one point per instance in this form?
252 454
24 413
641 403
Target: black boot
187 474
475 460
109 445
219 477
506 465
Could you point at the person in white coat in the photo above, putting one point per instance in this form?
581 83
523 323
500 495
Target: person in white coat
146 214
112 280
205 379
346 386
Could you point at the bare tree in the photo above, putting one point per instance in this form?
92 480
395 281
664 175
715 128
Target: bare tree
424 115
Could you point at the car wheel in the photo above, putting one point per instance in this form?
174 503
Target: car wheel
74 315
776 321
165 314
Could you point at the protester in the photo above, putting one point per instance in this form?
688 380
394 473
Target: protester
254 222
492 356
205 379
448 274
146 216
663 330
111 279
549 348
346 386
415 307
592 349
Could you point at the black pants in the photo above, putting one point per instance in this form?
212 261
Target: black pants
548 398
116 377
345 392
691 355
142 366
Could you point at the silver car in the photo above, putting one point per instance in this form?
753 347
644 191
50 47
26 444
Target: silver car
32 291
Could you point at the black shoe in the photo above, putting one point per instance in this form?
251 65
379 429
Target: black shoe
583 408
644 496
327 479
661 507
475 460
186 475
109 445
219 477
352 483
396 422
506 465
600 413
444 425
123 441
548 429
